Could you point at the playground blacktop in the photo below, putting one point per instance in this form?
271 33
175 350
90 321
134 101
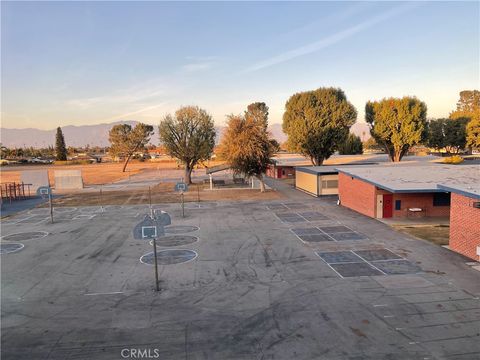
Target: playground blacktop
297 278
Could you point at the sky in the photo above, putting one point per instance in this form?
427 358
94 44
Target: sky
83 63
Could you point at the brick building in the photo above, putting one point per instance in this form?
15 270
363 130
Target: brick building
401 190
465 219
284 167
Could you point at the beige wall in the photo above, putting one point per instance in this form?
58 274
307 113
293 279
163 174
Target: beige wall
307 182
327 191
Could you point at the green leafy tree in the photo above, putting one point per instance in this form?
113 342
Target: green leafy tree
371 144
247 145
435 134
351 146
125 140
317 122
473 132
448 134
467 105
188 136
397 124
60 147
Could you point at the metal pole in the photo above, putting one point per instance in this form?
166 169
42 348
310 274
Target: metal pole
156 263
101 200
150 199
198 193
51 204
183 205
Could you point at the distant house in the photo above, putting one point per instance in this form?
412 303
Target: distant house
284 168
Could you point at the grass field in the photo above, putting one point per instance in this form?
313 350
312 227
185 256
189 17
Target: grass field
93 174
437 234
162 193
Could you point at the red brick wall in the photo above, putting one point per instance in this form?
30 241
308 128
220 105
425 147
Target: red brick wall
362 197
464 226
357 195
276 172
419 200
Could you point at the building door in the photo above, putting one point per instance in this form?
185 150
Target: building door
379 213
387 205
279 173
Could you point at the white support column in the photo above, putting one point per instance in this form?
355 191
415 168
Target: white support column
211 181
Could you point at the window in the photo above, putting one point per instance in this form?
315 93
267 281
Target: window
329 184
398 204
441 199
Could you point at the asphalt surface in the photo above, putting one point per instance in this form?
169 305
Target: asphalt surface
256 290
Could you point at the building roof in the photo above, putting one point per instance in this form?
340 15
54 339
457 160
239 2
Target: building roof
217 168
419 178
328 169
318 170
471 191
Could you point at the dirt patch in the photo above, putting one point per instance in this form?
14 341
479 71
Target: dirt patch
437 234
93 174
162 193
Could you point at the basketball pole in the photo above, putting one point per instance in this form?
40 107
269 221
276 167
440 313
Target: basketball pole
154 242
156 263
51 204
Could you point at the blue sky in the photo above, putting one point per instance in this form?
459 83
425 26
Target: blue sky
74 63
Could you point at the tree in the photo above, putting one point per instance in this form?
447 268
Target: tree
60 147
125 140
397 124
371 144
447 134
467 105
246 143
473 132
188 136
352 145
435 134
317 122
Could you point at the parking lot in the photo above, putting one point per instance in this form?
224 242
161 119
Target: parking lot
292 279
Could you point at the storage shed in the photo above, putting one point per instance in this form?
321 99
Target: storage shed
317 180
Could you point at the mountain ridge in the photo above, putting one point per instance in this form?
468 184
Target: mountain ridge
97 134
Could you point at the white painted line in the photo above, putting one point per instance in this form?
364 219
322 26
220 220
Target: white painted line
14 251
395 254
316 253
106 293
380 305
184 262
369 263
45 233
388 316
196 239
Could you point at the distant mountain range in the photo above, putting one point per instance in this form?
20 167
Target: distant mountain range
97 135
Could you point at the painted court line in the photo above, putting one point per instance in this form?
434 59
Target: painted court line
105 293
369 263
316 253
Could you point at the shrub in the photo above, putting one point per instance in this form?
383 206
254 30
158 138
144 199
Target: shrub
453 160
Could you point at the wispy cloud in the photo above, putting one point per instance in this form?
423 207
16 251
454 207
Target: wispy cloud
193 67
136 112
199 63
330 40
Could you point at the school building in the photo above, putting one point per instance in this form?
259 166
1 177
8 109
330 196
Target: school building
464 219
393 191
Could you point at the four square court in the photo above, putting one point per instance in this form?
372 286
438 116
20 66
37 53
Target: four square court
355 263
327 233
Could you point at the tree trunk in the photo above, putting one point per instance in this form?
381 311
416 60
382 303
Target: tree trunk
319 161
262 183
188 174
126 163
